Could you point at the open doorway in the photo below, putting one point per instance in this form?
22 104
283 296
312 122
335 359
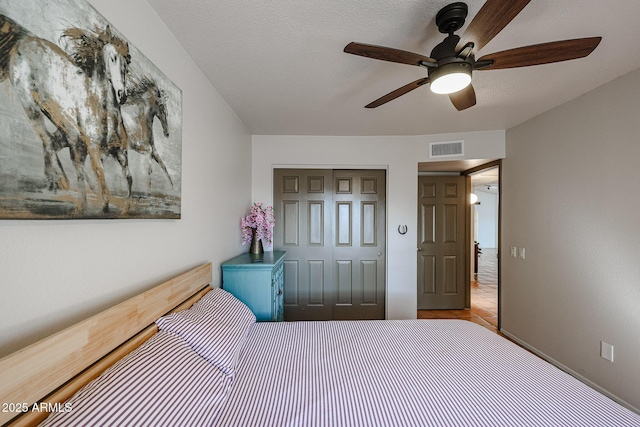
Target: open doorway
483 291
485 227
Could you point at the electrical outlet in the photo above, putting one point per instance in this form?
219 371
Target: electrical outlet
521 253
514 251
606 351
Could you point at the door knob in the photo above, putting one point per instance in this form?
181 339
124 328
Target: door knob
379 253
419 249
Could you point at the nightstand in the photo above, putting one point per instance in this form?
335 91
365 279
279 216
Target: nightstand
257 281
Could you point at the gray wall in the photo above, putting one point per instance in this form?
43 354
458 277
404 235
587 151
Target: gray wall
570 198
54 273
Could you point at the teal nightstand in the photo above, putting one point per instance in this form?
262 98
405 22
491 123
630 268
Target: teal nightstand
257 284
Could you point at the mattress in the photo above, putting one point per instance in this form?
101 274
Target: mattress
404 373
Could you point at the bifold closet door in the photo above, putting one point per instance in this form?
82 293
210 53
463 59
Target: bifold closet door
302 205
332 225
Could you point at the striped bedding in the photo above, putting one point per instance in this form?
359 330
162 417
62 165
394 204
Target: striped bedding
161 383
404 373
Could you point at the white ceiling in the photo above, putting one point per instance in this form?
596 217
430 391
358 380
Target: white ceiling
488 180
280 64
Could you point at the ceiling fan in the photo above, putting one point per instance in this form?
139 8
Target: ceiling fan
451 63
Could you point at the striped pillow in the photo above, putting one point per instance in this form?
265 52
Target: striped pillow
162 382
215 327
227 304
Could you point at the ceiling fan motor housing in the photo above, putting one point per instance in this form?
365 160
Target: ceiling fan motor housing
445 53
445 49
454 65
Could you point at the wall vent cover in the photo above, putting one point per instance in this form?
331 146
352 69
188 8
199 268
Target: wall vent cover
446 149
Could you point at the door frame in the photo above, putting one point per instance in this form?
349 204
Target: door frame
468 173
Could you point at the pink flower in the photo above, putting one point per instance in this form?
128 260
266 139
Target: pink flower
262 220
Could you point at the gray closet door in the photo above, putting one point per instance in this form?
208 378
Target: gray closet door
442 241
332 225
302 205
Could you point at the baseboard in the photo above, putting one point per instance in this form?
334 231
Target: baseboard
570 371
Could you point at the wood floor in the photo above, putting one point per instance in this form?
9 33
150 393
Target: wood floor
484 296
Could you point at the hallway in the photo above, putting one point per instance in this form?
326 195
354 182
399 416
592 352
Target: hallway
484 296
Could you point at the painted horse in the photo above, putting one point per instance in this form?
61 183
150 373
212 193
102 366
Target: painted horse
103 56
145 102
50 84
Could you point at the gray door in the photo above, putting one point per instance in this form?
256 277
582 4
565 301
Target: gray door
442 275
332 225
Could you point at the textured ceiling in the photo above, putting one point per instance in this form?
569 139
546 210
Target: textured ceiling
280 64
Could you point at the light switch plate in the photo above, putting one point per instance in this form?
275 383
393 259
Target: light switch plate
521 253
514 251
606 351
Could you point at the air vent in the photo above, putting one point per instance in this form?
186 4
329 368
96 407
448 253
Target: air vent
446 149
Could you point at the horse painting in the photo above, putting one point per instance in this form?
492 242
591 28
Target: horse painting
145 102
72 88
81 102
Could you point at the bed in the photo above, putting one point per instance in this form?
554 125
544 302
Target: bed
203 360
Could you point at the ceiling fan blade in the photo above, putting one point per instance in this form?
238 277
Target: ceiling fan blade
490 20
387 54
398 92
544 53
464 98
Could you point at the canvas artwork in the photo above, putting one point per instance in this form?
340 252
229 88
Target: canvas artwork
89 127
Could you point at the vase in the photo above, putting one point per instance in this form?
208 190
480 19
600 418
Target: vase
256 244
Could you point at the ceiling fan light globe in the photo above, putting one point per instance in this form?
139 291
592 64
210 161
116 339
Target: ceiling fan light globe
450 83
450 77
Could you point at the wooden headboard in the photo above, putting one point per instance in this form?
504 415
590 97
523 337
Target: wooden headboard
53 369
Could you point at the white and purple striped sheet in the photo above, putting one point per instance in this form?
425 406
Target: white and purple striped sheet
161 383
215 327
404 373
